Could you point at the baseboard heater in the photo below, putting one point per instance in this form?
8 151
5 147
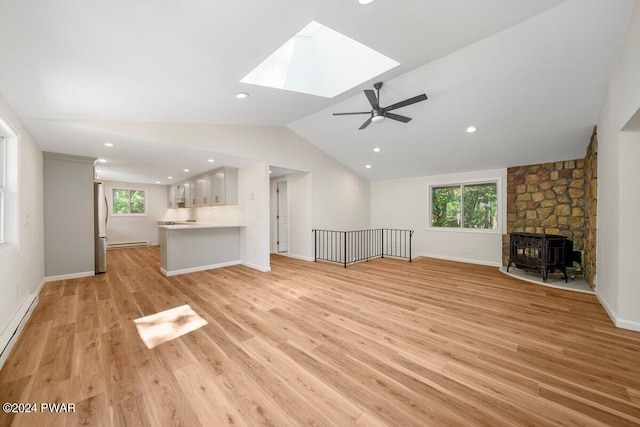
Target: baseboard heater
121 245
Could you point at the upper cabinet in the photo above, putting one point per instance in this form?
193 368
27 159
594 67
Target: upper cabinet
214 188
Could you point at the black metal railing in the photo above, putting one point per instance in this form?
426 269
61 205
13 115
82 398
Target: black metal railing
348 247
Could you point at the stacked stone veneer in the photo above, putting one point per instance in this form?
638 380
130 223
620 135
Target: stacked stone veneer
591 210
547 198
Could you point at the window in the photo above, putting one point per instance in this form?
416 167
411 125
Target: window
470 206
9 227
127 202
3 179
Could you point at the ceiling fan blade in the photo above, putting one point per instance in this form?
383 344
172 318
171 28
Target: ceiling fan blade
348 114
365 124
398 117
406 102
373 100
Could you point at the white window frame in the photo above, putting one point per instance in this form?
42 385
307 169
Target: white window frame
499 206
120 188
9 241
3 181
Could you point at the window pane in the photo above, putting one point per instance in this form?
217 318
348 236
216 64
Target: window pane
120 201
2 162
137 201
480 206
445 206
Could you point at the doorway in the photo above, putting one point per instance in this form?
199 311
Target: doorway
282 217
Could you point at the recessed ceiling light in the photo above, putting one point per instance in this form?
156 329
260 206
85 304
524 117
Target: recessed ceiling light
377 150
99 170
368 166
210 160
170 177
242 95
186 170
157 182
108 144
471 129
364 2
102 160
270 171
97 177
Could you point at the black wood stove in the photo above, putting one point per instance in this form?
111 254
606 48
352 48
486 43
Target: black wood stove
541 253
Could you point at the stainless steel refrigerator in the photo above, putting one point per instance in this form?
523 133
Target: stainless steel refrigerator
101 213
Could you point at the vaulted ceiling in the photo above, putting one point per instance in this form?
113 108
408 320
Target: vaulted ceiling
530 76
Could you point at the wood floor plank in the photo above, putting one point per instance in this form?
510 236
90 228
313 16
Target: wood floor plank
385 342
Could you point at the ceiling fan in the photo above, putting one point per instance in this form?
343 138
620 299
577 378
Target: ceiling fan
378 113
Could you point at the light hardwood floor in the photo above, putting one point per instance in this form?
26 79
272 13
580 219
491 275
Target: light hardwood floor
386 342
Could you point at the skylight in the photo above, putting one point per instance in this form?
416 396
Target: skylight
319 61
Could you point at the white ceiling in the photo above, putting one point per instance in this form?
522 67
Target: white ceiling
531 76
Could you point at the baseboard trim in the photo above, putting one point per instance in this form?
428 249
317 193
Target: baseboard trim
69 276
13 331
301 257
169 273
256 267
620 323
468 261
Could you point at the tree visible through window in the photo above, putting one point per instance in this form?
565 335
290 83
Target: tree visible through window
465 206
128 201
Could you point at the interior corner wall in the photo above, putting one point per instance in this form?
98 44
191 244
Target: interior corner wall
629 273
622 101
69 240
122 229
404 204
253 194
22 269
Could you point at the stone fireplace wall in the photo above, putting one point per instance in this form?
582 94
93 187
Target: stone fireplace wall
547 198
591 210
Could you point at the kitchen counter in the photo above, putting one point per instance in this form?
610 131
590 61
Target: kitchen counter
195 225
191 247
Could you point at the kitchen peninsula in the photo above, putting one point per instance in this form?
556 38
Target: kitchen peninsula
186 247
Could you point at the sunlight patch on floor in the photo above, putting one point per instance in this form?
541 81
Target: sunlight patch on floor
166 325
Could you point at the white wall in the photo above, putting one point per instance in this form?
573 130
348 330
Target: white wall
22 268
69 238
253 194
617 281
629 276
137 228
404 204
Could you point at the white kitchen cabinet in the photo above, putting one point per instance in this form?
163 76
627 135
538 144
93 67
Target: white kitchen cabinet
171 196
190 194
216 188
222 187
201 191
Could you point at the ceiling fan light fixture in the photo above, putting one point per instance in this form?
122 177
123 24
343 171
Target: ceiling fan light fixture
377 116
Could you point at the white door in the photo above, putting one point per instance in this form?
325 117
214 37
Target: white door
283 218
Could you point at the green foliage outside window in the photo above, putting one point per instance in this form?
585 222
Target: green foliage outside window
128 201
465 206
445 202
